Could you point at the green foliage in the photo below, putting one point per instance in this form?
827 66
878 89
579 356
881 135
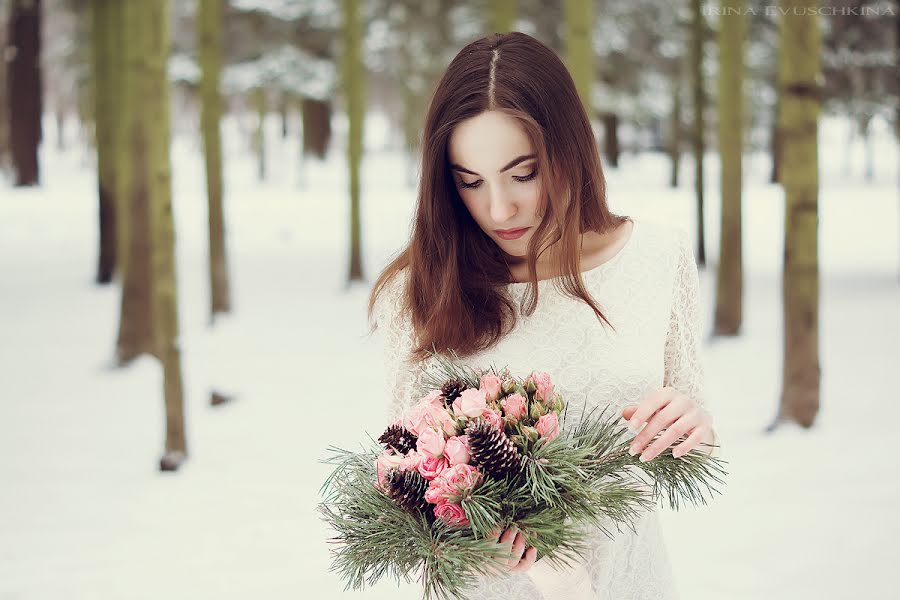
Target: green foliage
581 481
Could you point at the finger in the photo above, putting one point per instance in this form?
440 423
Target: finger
518 548
689 444
648 407
628 412
657 423
671 435
494 534
509 535
528 559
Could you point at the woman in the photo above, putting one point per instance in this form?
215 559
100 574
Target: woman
515 260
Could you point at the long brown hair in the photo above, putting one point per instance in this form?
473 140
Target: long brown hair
455 290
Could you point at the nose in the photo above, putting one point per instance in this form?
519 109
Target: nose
502 208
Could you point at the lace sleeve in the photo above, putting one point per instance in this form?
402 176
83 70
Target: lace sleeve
683 363
394 328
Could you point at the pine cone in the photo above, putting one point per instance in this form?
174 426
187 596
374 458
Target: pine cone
399 438
452 390
492 451
407 489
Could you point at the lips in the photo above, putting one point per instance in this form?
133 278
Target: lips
511 234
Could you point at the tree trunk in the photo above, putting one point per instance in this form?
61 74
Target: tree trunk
675 129
354 75
105 100
136 327
775 143
284 110
4 105
799 68
316 127
579 51
611 138
120 136
25 90
729 278
259 141
297 102
503 16
151 120
697 32
863 122
209 25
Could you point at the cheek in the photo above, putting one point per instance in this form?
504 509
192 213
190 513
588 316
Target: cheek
529 199
476 207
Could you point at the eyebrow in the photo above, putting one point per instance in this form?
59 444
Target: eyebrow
508 166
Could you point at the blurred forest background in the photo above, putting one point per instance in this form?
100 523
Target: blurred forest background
263 131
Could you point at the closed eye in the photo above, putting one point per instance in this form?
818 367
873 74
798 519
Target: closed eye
522 179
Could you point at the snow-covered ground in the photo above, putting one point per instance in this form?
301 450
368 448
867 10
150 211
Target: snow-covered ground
84 514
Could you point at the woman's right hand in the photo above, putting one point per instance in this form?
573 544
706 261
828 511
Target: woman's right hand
520 558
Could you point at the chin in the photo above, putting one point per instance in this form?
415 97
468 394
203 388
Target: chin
515 248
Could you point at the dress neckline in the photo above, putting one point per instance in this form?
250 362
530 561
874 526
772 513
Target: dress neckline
617 257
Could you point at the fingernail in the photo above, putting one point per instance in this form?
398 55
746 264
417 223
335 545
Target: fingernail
633 450
644 457
634 424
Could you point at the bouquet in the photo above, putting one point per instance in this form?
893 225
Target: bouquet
482 450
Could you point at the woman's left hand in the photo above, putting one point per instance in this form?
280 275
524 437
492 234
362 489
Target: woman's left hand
673 413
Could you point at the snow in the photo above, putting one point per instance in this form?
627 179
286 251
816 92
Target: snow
84 513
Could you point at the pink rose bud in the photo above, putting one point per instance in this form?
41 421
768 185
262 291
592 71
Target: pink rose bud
457 450
471 403
548 426
431 442
538 410
493 418
514 407
530 433
508 386
543 384
558 403
451 514
430 467
490 383
386 462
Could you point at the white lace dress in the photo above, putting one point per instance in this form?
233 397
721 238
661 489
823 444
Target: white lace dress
649 292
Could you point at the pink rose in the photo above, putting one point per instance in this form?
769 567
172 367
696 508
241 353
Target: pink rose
471 403
461 478
414 419
493 418
440 418
437 492
386 462
431 467
514 407
457 450
543 384
491 385
451 514
431 442
432 397
411 461
548 426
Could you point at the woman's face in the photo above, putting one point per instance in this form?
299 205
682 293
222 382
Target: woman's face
496 173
